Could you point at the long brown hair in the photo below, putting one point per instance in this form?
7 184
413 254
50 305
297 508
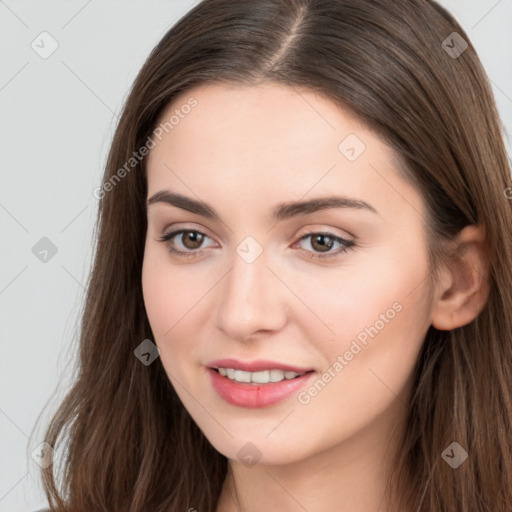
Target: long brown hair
129 443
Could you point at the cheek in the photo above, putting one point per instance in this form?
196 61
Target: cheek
381 289
160 304
164 299
380 314
167 289
172 299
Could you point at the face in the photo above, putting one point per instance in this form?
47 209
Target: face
338 291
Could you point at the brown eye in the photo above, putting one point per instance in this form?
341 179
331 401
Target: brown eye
321 242
192 239
184 242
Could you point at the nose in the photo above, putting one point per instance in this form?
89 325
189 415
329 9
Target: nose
252 299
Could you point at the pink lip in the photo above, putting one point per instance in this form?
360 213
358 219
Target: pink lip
252 395
255 366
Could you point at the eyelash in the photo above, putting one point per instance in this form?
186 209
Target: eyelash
347 244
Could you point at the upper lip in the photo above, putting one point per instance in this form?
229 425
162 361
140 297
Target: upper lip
256 366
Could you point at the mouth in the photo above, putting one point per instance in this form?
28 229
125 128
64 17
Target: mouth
257 389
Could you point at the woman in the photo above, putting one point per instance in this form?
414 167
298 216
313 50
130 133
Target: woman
301 293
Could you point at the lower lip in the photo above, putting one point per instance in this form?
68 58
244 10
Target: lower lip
256 395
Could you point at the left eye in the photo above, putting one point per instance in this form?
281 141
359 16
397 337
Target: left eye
319 240
194 239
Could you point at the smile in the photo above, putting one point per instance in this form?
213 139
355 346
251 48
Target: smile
261 377
242 389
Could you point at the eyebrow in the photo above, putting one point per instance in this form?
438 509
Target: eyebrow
280 212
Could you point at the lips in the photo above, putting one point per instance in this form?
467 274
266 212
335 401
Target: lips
256 395
256 366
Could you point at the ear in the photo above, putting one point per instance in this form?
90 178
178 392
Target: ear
463 288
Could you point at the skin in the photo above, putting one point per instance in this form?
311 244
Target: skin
243 150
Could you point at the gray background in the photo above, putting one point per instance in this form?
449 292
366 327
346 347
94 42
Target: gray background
58 115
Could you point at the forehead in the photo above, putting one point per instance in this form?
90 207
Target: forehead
290 122
270 142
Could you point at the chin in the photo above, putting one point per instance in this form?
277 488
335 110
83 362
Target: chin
253 449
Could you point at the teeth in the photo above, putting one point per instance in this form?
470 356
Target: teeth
276 375
262 377
241 376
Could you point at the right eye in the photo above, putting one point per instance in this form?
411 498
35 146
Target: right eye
189 243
